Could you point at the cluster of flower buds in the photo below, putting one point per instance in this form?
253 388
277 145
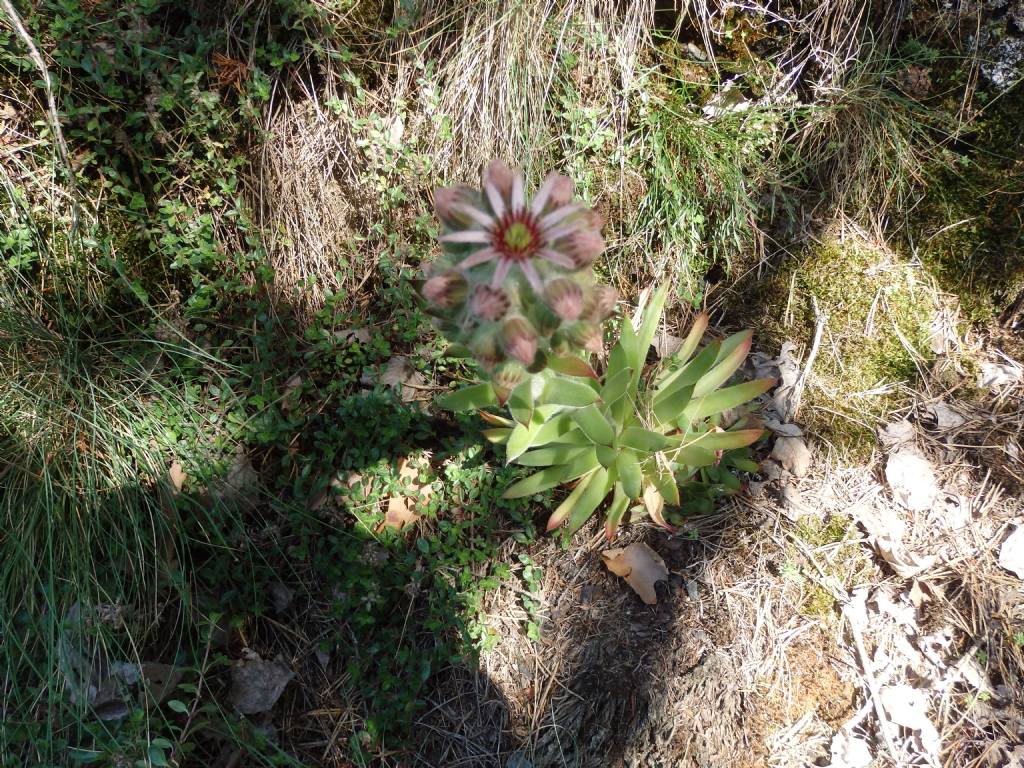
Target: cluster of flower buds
515 283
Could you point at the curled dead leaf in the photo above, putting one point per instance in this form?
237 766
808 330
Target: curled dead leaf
905 564
793 454
1011 553
361 335
401 375
401 509
654 503
161 679
256 685
640 566
177 476
911 480
908 707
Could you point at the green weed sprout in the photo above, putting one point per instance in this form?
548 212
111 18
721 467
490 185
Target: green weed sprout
515 289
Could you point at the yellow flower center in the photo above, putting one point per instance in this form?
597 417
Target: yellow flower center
518 237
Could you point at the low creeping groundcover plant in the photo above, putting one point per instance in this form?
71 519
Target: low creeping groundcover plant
515 290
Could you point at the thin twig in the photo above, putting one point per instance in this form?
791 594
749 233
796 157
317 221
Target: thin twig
798 389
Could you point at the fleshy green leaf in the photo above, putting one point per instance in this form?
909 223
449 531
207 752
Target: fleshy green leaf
497 436
520 402
616 386
552 431
535 483
648 327
630 475
606 455
573 436
668 408
690 373
571 365
575 394
732 343
617 362
580 465
723 399
518 442
666 485
725 368
594 424
723 441
643 439
468 398
630 345
745 465
617 510
597 489
552 455
457 351
569 503
695 456
700 324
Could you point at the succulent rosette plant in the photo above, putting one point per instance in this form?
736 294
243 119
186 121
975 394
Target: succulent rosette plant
515 288
515 284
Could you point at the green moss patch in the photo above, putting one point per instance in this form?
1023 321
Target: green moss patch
969 228
879 311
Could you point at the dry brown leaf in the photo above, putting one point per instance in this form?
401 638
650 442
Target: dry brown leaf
666 345
849 750
256 685
905 564
654 502
402 376
911 480
640 566
177 476
362 335
793 454
917 594
402 509
1011 553
908 707
896 434
161 679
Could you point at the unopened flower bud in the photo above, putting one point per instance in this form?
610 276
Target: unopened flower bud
561 191
519 340
508 374
600 303
501 176
543 319
585 334
583 247
484 347
560 345
489 303
565 297
446 290
447 202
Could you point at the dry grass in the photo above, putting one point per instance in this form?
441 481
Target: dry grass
311 204
709 673
462 83
870 142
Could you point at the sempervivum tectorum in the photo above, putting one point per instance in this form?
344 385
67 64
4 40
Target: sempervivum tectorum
516 269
